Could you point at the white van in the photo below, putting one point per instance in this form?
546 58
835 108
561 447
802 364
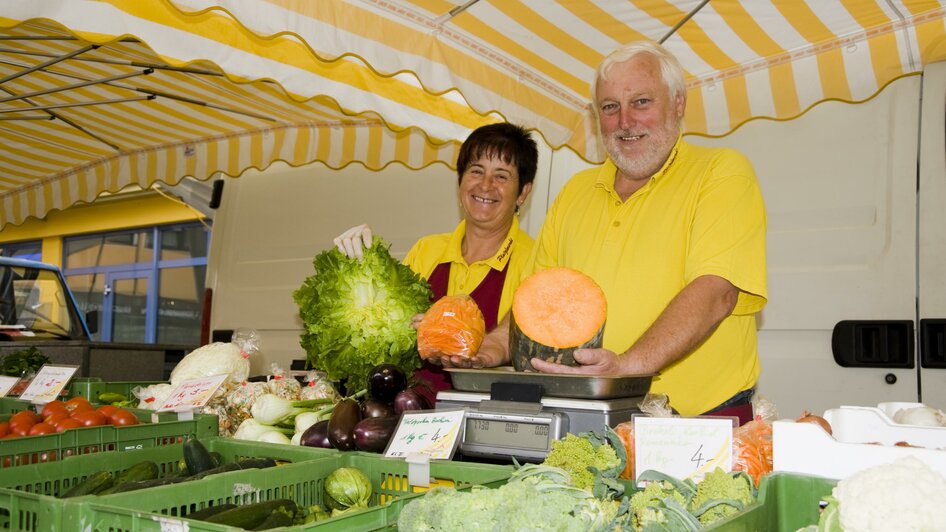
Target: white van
856 199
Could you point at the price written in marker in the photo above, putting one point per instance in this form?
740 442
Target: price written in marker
432 433
48 383
192 394
682 447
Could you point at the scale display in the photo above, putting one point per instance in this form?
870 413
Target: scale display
504 434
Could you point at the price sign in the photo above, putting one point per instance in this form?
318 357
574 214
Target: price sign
434 433
48 382
192 394
682 447
7 384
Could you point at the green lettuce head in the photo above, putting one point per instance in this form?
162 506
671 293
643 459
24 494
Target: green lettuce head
357 313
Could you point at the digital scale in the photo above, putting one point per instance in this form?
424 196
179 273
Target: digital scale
519 414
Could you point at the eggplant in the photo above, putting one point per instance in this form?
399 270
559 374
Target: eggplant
385 381
372 434
375 408
341 425
317 436
410 399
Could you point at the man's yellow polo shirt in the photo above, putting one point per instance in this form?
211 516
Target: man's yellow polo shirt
701 214
432 250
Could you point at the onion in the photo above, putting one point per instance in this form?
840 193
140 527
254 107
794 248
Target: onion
808 417
921 415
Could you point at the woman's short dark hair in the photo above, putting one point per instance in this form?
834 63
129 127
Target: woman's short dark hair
508 142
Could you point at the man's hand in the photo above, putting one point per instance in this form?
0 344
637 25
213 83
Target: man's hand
591 362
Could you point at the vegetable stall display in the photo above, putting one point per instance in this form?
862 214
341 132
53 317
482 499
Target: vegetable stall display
555 312
357 313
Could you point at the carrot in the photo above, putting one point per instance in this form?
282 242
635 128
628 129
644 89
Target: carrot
554 312
454 326
625 432
752 449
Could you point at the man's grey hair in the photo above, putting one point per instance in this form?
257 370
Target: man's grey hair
671 71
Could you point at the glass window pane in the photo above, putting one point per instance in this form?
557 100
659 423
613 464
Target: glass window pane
183 242
179 305
128 309
23 250
130 247
88 290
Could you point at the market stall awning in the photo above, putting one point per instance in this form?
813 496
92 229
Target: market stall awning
406 80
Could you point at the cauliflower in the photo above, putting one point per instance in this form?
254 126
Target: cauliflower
721 494
576 454
905 495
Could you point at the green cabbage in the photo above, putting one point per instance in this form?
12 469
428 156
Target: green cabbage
347 487
357 313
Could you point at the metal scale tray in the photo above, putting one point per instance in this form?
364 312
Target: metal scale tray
553 385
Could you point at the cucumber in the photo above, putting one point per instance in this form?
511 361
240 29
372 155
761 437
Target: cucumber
92 484
250 516
197 457
217 470
111 397
200 515
145 470
279 518
247 463
142 484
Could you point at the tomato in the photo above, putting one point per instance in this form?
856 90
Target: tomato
67 424
54 418
42 428
107 410
26 416
53 407
21 429
89 418
122 418
79 402
4 429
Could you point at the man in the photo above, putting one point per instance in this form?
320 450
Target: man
675 236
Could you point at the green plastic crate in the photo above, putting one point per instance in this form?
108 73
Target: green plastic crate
35 449
91 387
163 506
28 493
787 502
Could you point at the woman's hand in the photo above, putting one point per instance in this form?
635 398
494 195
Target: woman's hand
351 241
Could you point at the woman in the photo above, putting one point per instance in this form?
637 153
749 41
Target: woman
486 253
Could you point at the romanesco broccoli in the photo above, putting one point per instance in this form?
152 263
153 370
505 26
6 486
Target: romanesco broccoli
657 504
576 454
721 494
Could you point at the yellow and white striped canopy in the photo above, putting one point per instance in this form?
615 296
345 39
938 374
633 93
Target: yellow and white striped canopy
382 80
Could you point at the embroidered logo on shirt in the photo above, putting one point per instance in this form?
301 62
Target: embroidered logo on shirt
505 251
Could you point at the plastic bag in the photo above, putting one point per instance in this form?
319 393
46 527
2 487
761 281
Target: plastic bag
752 442
153 396
452 326
218 358
319 387
653 405
283 384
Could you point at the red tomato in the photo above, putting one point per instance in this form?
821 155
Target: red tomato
79 402
26 416
53 407
89 418
67 424
54 418
42 428
107 410
4 429
21 429
123 418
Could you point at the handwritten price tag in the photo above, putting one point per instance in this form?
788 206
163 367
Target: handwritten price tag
432 433
192 394
7 384
48 382
682 447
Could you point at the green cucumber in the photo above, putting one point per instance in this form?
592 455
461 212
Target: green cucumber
250 516
142 484
197 457
144 470
200 515
91 485
217 470
247 463
111 397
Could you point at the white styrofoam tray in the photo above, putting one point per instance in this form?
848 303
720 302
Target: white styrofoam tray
806 448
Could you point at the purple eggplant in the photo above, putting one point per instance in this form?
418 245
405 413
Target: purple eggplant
376 408
372 434
341 425
317 436
410 399
385 381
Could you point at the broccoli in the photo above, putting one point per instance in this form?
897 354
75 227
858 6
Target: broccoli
661 505
591 461
721 494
